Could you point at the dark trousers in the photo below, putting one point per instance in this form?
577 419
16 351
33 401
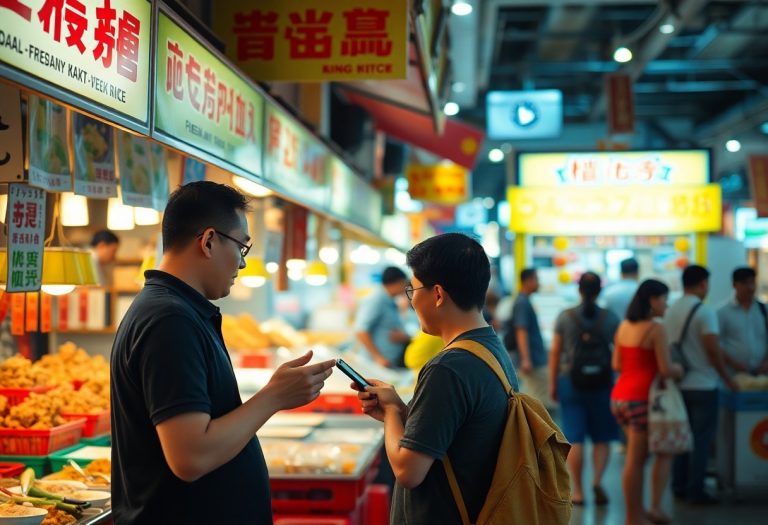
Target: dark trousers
689 470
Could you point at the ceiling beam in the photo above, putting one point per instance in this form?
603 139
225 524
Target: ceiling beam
656 67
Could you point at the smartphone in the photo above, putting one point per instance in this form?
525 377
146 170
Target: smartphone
351 373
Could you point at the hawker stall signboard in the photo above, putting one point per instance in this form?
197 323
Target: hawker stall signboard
202 105
628 192
97 51
295 160
353 198
445 183
306 40
26 232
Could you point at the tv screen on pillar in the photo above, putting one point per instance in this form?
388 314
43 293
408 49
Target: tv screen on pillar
531 114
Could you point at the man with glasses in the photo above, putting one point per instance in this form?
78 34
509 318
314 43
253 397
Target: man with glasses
459 407
378 324
180 432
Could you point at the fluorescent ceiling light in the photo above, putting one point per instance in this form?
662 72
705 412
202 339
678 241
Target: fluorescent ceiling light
451 109
666 29
461 8
495 155
622 55
733 145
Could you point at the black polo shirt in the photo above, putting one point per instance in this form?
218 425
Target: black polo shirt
168 359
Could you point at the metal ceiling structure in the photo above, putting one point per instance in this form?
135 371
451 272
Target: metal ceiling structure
710 72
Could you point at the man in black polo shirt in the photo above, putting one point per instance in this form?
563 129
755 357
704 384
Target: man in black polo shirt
184 448
459 407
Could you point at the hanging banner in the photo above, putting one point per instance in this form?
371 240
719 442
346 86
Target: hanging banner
204 104
621 104
758 177
134 160
444 183
194 171
307 41
48 151
46 313
11 130
94 158
295 160
26 234
32 311
96 50
159 182
17 313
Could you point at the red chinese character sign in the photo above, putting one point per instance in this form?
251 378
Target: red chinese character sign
94 158
11 150
48 151
97 50
26 235
621 104
204 104
303 40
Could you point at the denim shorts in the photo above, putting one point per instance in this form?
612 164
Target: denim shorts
586 413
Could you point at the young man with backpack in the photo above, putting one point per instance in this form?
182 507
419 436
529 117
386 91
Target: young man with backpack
581 378
465 417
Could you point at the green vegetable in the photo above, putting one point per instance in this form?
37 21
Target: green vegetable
37 492
74 510
27 479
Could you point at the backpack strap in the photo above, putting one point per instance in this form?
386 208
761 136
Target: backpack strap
686 363
485 355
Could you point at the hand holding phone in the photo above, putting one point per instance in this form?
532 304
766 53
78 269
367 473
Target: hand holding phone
352 374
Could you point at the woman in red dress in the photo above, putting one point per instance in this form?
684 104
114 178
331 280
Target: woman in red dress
641 353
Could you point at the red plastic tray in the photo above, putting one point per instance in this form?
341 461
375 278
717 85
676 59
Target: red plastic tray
333 404
26 442
17 395
95 424
11 470
307 495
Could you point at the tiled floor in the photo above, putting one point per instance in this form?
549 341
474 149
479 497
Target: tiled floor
753 511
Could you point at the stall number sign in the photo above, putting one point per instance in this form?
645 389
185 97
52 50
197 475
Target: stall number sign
97 49
26 230
304 40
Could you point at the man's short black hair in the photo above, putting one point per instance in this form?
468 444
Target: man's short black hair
199 205
456 262
629 266
527 273
392 274
105 236
694 275
745 273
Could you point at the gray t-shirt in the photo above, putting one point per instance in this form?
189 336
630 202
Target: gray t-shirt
524 316
568 328
702 375
458 408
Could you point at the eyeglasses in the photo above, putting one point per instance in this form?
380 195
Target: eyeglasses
409 291
244 248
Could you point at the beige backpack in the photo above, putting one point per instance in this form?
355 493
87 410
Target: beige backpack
531 484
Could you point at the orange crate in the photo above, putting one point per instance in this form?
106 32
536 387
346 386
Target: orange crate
26 442
17 395
95 424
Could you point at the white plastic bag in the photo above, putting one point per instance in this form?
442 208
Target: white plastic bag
668 429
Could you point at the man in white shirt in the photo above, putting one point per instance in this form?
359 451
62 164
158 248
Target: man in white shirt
703 362
617 297
744 327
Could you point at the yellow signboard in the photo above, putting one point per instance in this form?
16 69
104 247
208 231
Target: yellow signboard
613 168
303 40
98 51
627 210
445 183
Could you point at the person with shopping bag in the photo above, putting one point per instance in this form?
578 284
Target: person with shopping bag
641 354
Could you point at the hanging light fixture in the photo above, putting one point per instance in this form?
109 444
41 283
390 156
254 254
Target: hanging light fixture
119 216
316 273
74 210
146 216
254 189
255 273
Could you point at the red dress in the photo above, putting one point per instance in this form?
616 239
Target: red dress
638 368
